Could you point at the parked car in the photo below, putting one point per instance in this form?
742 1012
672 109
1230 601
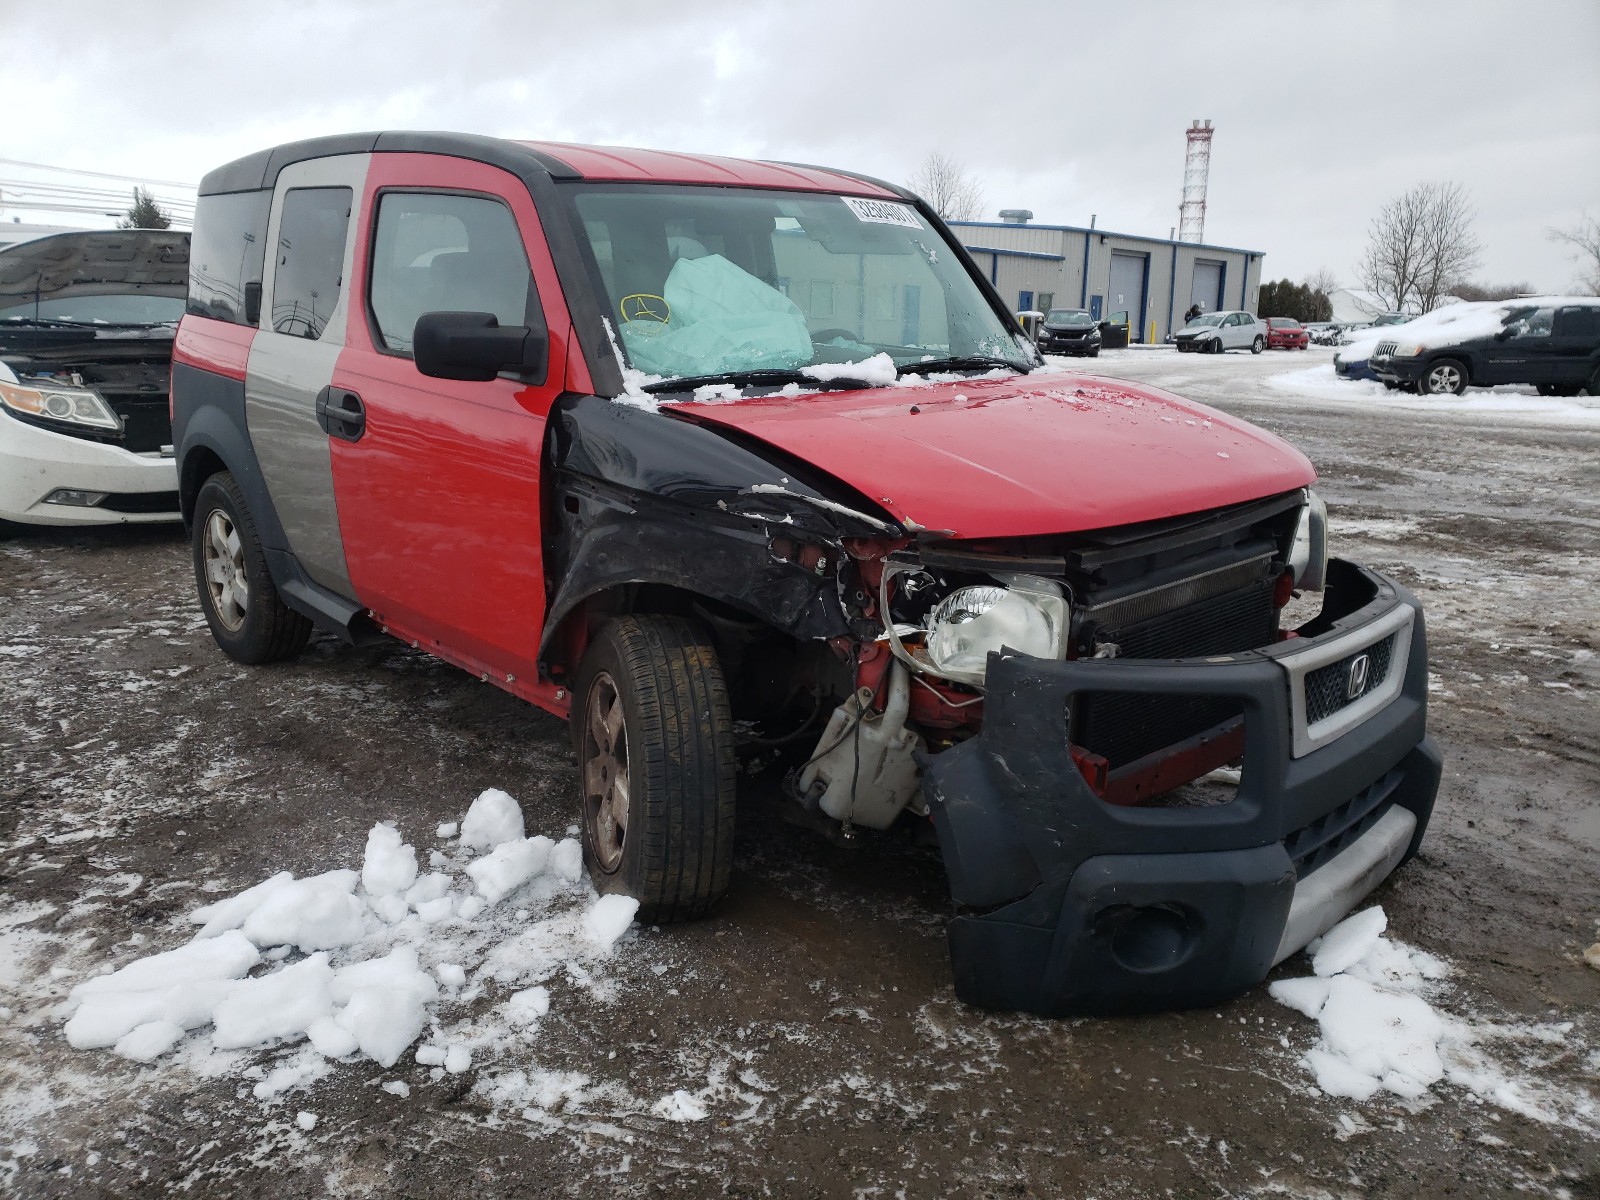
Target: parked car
1323 333
593 425
1552 342
1212 333
1070 331
1285 333
86 328
1350 362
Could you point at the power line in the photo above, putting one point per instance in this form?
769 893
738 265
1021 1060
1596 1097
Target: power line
17 162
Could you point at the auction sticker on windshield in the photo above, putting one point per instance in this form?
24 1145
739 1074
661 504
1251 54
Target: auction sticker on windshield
882 212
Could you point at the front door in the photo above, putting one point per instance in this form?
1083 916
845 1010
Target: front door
439 495
1521 352
303 323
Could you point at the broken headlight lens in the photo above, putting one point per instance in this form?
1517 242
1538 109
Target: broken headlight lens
1028 614
71 406
1308 556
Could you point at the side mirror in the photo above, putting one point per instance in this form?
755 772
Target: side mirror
1504 333
252 302
475 346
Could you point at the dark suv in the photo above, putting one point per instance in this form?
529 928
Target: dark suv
1070 331
1550 342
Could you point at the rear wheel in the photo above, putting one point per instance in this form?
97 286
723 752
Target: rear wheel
1257 346
656 766
1447 377
248 619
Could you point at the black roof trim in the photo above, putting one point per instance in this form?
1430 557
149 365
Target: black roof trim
260 170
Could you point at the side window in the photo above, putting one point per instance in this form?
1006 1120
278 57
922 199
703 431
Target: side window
311 237
226 253
440 253
1532 323
1579 321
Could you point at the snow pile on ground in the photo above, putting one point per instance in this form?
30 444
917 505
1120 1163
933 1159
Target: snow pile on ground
1372 998
359 963
1321 383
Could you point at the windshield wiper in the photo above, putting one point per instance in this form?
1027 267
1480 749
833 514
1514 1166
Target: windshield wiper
755 378
962 362
52 322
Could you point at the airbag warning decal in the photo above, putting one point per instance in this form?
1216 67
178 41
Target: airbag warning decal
882 212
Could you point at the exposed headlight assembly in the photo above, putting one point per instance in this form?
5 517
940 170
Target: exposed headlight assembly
1408 350
1028 614
71 406
1308 556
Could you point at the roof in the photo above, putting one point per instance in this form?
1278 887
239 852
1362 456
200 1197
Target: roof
1133 237
667 166
552 160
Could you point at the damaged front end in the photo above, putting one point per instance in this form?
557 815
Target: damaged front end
1146 792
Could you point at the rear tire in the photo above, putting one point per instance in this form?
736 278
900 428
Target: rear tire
248 619
1446 377
656 766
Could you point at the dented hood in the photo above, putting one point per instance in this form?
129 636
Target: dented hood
1025 455
97 263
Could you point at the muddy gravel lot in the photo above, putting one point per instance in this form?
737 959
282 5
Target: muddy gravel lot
809 1030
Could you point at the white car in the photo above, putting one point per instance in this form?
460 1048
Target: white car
86 328
1212 333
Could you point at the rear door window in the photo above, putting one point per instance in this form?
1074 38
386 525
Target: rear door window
436 252
311 239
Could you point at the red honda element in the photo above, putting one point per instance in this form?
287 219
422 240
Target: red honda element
717 458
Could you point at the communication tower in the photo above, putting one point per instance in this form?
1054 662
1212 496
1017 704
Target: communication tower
1196 169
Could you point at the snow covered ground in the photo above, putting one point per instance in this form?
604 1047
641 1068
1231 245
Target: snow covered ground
805 1039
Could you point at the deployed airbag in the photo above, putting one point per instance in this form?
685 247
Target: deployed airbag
721 318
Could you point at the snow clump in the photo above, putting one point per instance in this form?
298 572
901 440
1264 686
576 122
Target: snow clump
1380 1032
361 962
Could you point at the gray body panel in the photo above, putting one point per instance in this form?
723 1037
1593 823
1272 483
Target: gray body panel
284 375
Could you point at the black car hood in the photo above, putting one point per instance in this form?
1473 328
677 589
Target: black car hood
97 263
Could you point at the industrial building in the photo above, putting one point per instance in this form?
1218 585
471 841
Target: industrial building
1153 280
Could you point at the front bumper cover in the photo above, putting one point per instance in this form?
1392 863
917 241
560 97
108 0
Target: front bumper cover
1072 905
35 462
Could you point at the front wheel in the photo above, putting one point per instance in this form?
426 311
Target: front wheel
656 766
248 620
1257 346
1447 377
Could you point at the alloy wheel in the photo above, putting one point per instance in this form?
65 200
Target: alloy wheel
1445 378
605 771
225 574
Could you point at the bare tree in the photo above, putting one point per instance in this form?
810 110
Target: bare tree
1419 245
1583 241
1492 291
946 185
1323 280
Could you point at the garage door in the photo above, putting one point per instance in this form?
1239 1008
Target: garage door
1206 290
1127 288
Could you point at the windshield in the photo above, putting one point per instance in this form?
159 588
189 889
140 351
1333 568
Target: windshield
1284 322
704 282
1068 316
1207 319
123 309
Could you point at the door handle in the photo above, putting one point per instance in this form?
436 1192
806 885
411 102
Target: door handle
341 414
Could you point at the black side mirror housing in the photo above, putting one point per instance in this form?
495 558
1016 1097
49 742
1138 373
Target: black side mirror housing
1503 334
475 346
252 302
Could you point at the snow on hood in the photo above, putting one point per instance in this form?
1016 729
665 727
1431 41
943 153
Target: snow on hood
1022 455
103 262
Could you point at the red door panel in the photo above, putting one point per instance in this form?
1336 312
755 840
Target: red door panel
439 499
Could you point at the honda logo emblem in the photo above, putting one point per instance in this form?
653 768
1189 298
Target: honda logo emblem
1357 683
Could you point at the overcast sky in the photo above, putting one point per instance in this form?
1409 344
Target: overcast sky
1323 110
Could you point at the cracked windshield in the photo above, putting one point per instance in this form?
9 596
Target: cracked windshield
708 283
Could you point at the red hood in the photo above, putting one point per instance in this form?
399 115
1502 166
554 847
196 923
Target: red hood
1024 455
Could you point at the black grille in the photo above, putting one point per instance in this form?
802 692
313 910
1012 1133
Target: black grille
1125 727
141 502
1385 350
1312 845
146 422
1328 688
